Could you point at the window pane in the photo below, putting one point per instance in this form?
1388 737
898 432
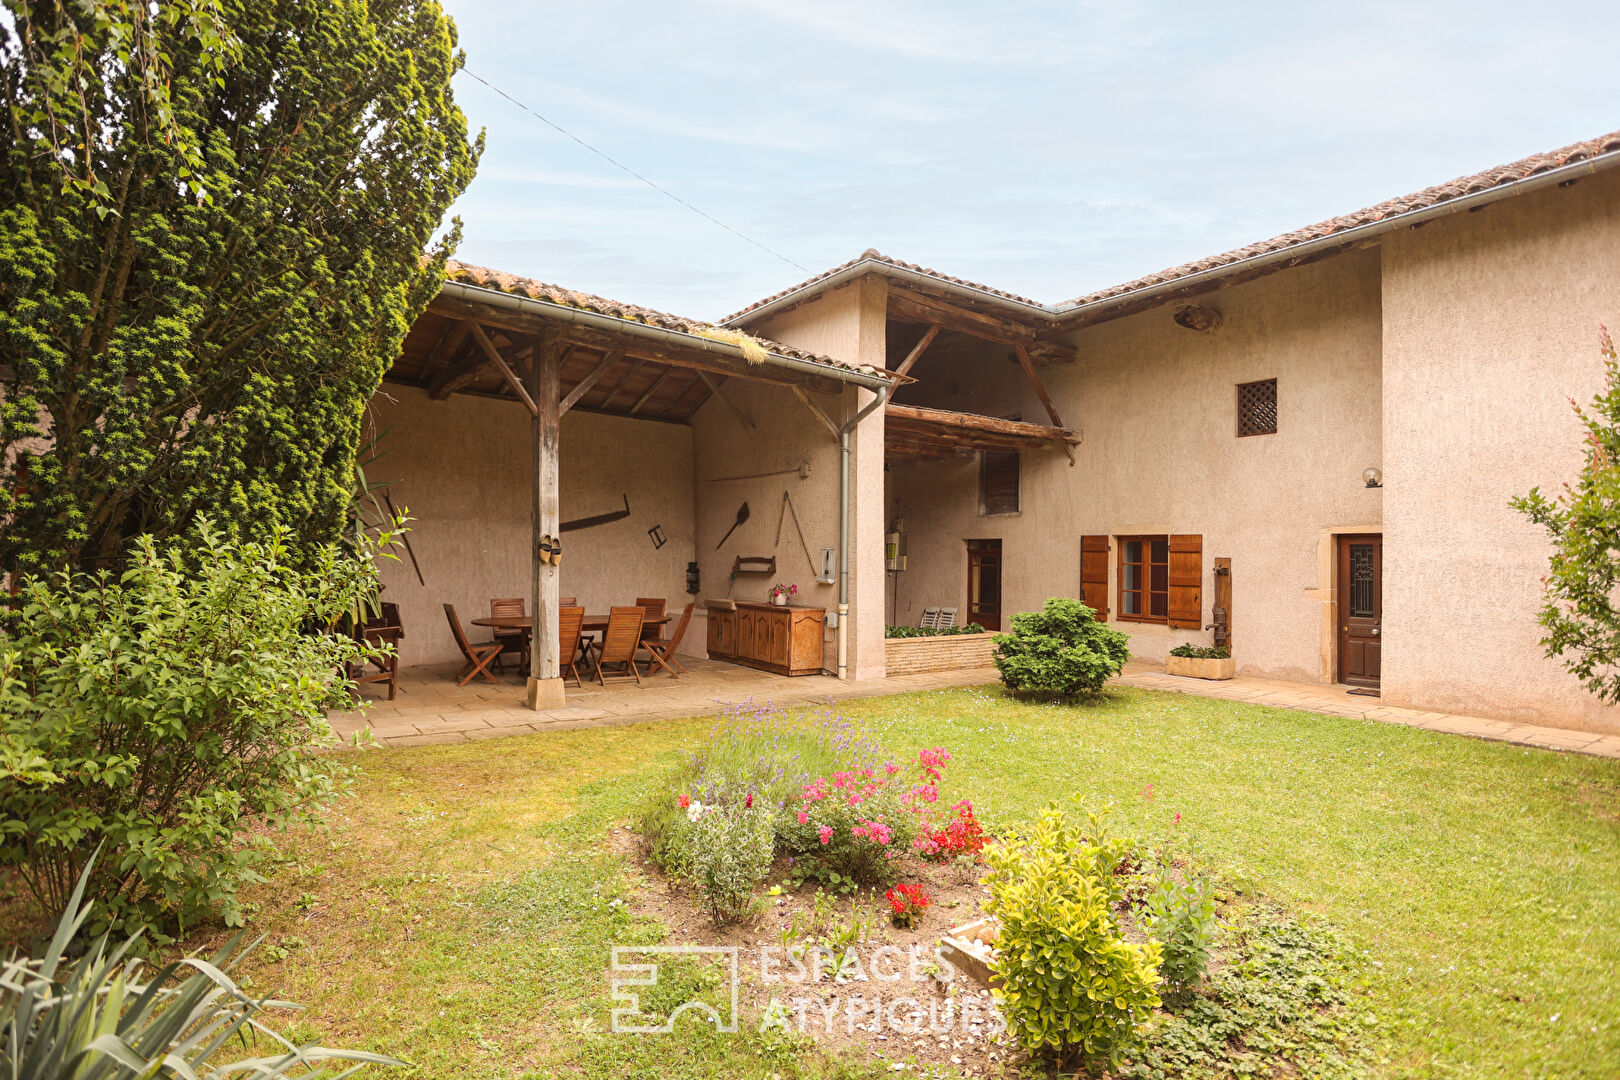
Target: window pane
1161 551
1158 604
1133 578
1160 577
1133 603
1361 581
1133 551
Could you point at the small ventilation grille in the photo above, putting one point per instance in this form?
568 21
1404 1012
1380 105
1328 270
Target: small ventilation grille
1257 408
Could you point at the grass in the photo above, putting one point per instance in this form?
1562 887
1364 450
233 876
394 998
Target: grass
460 910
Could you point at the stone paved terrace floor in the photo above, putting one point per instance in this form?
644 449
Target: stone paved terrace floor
430 708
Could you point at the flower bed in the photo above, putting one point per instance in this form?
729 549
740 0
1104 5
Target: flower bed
949 652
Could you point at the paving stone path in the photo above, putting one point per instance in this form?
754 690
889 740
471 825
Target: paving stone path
431 709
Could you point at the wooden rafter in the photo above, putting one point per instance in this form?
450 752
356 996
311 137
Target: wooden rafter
1040 390
718 391
918 349
817 411
630 377
504 368
584 385
651 390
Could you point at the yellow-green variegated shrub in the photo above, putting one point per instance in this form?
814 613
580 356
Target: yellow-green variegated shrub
1070 985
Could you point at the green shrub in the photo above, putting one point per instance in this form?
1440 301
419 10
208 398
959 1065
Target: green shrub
929 631
728 851
1181 919
1202 652
1061 649
1071 986
103 1018
168 717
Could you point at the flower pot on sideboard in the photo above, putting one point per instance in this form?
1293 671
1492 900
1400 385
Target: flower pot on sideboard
1200 669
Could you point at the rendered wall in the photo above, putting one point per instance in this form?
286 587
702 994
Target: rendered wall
1156 404
849 324
463 468
1490 327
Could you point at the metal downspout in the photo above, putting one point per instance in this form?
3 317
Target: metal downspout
843 526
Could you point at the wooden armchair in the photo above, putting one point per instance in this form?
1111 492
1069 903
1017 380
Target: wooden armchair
510 640
662 650
383 629
620 642
652 605
569 619
478 656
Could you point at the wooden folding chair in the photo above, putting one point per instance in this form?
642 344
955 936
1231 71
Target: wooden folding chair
568 624
585 640
513 639
382 629
478 656
662 650
620 642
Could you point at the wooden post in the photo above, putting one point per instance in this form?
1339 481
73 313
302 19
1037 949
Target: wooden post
545 380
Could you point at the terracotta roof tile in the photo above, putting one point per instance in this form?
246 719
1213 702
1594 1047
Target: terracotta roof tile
1440 193
873 255
485 278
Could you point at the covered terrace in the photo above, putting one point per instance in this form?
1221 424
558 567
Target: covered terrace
519 410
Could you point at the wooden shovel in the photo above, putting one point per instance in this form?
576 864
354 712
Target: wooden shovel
742 516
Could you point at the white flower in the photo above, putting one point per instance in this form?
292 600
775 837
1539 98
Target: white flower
694 811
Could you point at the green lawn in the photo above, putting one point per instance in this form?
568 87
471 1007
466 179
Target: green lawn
460 910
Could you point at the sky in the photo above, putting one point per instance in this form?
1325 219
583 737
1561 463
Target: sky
1046 148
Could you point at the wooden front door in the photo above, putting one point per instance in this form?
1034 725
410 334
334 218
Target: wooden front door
1361 609
984 583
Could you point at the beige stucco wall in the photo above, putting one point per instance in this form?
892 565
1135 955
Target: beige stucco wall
463 468
1156 404
1490 325
849 324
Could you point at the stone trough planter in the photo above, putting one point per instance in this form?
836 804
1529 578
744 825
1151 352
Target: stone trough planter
1200 669
946 652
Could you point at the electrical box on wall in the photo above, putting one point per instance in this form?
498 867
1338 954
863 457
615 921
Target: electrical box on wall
894 548
829 566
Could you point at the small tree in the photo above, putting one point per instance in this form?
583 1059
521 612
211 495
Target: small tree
1061 649
172 717
1582 591
213 215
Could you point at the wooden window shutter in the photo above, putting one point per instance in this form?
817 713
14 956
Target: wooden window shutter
1094 574
1186 607
998 482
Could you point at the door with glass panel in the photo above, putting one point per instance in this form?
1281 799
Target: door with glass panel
1361 609
984 583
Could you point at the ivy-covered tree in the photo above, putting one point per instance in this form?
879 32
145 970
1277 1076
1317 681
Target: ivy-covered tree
1582 611
213 217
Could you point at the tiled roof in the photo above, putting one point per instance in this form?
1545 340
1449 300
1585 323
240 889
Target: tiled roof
874 256
1432 196
485 278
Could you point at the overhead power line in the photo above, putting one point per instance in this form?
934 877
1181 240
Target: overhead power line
627 169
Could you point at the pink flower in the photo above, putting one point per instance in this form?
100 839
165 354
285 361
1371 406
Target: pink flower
748 803
804 818
1178 819
825 833
891 768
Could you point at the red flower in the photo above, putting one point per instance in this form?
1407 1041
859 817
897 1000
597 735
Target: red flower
685 801
748 803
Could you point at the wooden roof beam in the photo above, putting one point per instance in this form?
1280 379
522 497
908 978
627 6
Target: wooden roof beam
918 349
504 368
584 385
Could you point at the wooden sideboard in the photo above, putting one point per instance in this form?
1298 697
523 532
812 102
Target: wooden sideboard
786 640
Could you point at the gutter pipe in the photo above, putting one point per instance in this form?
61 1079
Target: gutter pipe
843 524
1056 314
547 309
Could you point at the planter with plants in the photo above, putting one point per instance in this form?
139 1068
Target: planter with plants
1201 662
780 593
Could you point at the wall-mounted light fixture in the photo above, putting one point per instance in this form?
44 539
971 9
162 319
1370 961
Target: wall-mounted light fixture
1373 477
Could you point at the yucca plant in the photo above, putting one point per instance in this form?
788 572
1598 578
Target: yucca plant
98 1018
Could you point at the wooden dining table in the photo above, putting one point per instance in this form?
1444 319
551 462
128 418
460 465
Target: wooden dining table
592 624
